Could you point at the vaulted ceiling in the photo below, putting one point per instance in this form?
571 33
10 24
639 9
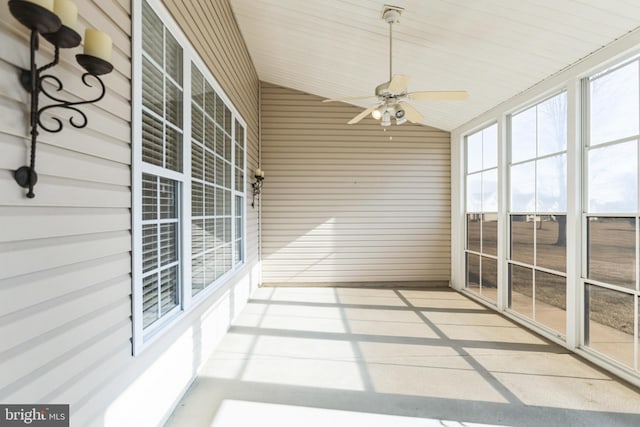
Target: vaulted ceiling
494 49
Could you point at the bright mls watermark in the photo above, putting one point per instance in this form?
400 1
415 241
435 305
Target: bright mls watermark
34 415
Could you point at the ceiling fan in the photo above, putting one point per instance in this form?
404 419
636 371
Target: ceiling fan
392 95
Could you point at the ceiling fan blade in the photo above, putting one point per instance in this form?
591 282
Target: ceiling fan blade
411 113
398 84
362 115
348 98
452 95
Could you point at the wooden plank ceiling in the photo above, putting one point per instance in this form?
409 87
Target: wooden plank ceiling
494 49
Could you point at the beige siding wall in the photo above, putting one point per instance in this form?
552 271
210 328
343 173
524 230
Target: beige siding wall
65 262
351 203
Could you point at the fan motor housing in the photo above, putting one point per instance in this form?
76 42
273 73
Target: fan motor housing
382 91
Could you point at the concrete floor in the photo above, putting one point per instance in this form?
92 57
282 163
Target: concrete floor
385 357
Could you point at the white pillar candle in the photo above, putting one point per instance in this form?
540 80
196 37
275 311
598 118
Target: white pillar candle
67 11
262 174
258 172
47 4
98 44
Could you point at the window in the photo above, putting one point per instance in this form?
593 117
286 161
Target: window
610 267
482 212
189 185
537 214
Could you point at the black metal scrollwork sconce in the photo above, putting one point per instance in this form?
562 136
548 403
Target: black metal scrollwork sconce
57 30
257 185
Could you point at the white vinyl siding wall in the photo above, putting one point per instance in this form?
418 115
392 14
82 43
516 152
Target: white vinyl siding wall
351 203
65 260
65 266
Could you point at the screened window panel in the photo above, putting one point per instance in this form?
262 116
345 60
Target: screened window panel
552 125
523 187
474 192
490 191
490 233
611 250
551 184
551 242
551 301
474 227
490 147
474 152
473 270
522 238
614 106
610 311
489 278
521 290
523 135
613 189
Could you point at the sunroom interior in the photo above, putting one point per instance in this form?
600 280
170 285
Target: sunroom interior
152 229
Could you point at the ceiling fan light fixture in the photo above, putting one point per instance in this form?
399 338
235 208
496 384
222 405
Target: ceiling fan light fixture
376 114
401 120
386 119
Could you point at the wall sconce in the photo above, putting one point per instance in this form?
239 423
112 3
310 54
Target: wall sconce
54 20
257 185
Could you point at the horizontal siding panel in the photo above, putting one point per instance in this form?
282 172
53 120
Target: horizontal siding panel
35 371
351 203
37 320
54 191
62 163
28 256
27 223
37 288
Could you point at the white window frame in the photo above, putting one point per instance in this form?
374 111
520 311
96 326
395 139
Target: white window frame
569 79
142 338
